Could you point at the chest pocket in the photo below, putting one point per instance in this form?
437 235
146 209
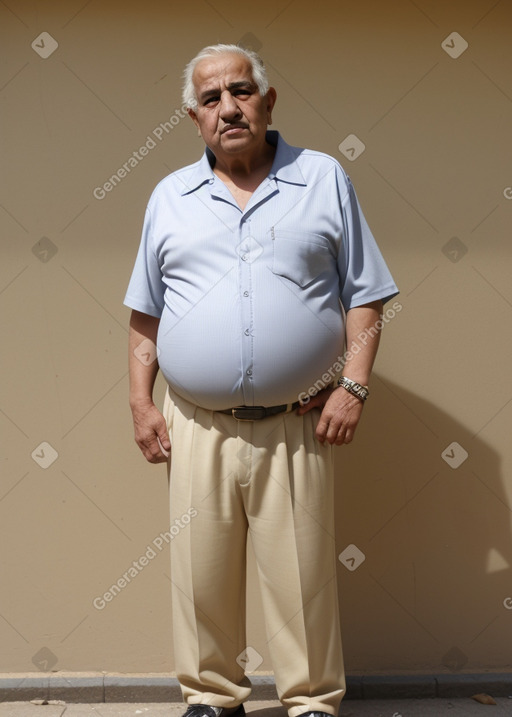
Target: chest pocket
300 257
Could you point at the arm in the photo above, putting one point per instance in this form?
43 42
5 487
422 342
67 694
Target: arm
340 410
148 422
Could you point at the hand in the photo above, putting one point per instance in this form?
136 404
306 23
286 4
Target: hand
340 415
151 433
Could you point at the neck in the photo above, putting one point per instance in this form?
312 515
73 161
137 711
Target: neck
242 168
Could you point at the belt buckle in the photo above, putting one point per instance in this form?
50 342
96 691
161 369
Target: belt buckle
248 413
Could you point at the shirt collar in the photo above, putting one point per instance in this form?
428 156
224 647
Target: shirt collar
284 167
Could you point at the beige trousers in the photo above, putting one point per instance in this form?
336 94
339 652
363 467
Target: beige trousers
270 479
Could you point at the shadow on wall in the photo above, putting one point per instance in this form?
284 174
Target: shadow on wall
424 542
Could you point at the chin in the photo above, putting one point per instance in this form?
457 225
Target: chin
236 146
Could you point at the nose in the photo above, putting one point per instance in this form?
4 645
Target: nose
229 109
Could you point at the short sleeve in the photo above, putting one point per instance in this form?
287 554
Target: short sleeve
364 274
146 288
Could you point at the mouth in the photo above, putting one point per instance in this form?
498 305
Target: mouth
233 129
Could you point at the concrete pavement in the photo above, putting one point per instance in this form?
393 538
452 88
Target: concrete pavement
435 707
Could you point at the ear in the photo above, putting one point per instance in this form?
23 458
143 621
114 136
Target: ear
271 97
194 119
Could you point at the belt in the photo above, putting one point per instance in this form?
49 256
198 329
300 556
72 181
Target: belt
256 413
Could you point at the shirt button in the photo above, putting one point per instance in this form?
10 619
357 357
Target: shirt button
246 293
244 257
249 372
247 332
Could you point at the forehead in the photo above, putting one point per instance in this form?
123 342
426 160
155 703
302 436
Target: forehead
213 72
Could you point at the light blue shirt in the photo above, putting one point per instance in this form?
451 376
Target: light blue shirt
251 301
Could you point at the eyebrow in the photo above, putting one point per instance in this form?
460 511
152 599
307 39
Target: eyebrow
242 84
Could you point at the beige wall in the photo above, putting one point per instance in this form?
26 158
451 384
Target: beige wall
432 592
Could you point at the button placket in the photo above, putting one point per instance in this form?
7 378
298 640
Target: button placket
248 250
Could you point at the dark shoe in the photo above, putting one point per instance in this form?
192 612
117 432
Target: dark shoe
210 711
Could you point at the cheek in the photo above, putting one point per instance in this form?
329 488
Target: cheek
209 124
260 115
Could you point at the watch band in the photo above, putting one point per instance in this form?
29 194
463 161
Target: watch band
356 389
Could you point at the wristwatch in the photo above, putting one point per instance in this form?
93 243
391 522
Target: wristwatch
356 389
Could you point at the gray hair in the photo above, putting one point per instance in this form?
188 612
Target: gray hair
259 73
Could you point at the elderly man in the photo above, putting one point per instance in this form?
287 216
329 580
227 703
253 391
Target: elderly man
255 267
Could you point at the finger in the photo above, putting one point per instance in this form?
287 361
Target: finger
163 439
341 438
158 454
307 406
339 432
302 409
164 445
345 437
321 429
317 401
158 459
332 428
153 457
151 451
349 435
336 435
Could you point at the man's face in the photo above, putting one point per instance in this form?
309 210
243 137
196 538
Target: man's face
231 115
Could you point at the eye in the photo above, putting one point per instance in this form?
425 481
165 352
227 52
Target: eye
210 100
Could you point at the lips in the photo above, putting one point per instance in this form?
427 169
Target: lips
233 129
